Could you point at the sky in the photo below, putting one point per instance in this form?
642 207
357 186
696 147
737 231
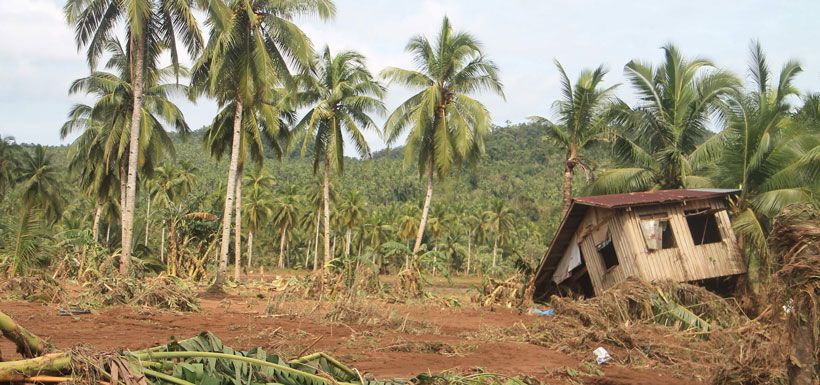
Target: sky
39 59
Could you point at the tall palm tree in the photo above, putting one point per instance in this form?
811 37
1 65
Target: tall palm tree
257 210
447 127
285 218
343 95
152 26
40 184
656 138
764 155
250 46
101 154
351 214
500 219
582 112
9 162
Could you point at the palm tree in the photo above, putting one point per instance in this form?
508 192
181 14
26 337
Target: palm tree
447 127
258 209
40 185
656 138
343 96
582 112
9 162
152 26
500 219
285 217
351 213
250 44
764 155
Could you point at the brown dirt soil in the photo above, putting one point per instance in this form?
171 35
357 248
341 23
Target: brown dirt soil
414 338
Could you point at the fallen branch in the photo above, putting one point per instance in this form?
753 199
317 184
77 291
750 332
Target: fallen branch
28 344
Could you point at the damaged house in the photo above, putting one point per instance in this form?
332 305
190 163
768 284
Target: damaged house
680 235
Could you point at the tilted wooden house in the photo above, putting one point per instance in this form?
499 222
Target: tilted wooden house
680 235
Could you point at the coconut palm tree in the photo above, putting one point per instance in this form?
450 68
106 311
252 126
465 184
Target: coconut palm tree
152 27
106 141
351 214
343 95
285 218
582 121
446 126
250 46
655 139
40 184
258 209
761 152
9 162
500 219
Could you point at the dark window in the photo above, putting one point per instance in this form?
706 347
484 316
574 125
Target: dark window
703 226
606 250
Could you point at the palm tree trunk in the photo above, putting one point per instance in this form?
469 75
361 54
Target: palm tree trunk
316 244
566 187
469 250
326 203
147 220
495 249
426 210
348 237
281 263
133 157
237 240
250 249
229 196
307 254
95 228
108 235
162 246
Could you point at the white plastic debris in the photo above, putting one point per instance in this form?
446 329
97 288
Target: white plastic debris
601 355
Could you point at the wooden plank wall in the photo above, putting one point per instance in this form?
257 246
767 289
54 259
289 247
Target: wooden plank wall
592 231
689 262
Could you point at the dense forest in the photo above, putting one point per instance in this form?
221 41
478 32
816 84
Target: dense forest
284 177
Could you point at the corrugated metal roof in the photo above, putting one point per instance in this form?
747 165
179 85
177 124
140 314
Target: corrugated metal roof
569 224
651 197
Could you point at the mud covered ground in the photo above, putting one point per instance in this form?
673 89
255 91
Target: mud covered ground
388 340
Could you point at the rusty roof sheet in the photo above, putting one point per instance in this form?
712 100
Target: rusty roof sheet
651 197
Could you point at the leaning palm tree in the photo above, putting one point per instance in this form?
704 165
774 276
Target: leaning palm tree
246 58
582 121
655 139
446 126
764 155
343 95
152 27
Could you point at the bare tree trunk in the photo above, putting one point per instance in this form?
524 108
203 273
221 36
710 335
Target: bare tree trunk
566 186
133 157
147 220
108 236
326 203
281 263
316 244
237 236
426 209
229 197
495 249
162 246
469 250
307 254
348 239
95 227
250 249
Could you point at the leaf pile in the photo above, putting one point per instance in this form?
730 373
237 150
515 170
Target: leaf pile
38 288
507 293
162 292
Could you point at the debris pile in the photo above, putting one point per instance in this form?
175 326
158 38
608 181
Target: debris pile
507 293
37 288
162 292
